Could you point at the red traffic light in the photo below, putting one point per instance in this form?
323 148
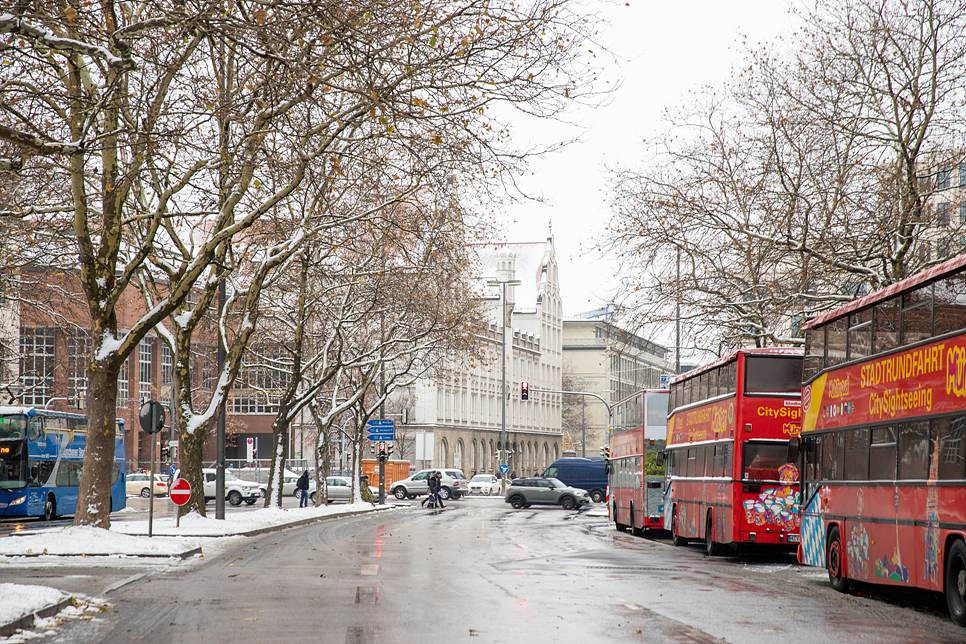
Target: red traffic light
382 448
524 390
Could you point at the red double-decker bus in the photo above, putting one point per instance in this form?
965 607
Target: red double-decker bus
635 480
730 474
884 437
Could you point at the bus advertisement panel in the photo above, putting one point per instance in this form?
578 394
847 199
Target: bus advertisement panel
730 474
884 438
635 476
41 459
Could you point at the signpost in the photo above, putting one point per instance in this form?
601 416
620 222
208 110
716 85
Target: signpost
151 418
179 492
381 429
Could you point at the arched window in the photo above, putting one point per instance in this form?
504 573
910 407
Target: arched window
458 455
443 451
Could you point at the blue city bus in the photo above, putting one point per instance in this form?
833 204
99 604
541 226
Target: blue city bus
41 458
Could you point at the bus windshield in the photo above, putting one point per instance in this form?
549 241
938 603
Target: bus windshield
761 461
13 426
773 375
13 465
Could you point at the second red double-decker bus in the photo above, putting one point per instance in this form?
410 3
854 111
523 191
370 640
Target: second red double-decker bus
730 473
635 482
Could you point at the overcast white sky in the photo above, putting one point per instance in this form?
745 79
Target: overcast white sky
670 48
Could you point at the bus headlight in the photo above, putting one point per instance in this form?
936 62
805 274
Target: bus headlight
18 500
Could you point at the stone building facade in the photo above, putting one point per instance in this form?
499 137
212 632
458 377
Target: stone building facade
457 418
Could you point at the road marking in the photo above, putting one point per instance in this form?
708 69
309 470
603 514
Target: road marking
370 569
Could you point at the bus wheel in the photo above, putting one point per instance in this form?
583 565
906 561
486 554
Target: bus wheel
833 561
712 548
50 508
956 582
676 539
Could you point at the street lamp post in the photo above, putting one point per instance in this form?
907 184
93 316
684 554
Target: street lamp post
503 457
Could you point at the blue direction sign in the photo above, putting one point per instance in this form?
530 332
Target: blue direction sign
381 429
503 469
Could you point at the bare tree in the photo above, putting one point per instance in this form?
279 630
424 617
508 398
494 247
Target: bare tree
802 183
151 134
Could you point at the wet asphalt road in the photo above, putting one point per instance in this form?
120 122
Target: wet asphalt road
479 571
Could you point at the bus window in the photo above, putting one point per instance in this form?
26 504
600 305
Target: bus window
860 334
914 450
951 445
13 426
835 342
773 375
729 377
882 454
857 454
832 448
69 473
13 466
718 467
949 304
885 326
916 315
760 461
692 461
814 353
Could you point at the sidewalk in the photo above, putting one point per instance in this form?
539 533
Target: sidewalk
21 606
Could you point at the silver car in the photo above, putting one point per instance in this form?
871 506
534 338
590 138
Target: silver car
454 484
339 489
539 490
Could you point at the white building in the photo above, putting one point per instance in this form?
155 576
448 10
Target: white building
457 419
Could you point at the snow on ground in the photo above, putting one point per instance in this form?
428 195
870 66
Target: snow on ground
17 600
128 539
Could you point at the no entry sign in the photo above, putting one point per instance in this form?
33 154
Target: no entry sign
180 492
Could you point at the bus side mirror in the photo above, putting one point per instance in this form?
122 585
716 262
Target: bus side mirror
660 458
794 447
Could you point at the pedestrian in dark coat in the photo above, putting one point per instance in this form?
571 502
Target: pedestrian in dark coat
303 485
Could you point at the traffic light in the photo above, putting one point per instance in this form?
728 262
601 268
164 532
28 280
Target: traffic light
524 390
605 451
382 448
165 452
372 448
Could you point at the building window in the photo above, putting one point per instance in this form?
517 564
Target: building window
145 365
942 214
123 378
78 353
942 177
261 382
37 365
167 369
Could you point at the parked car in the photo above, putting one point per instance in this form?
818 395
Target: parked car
339 489
139 483
539 490
484 484
454 484
289 478
236 490
584 473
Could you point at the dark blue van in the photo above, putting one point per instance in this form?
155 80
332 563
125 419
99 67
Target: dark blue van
584 473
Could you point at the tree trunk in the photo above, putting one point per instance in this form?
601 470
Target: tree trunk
94 494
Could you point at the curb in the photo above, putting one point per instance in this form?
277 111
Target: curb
27 621
294 524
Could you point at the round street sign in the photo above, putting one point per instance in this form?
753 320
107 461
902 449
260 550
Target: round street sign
180 492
